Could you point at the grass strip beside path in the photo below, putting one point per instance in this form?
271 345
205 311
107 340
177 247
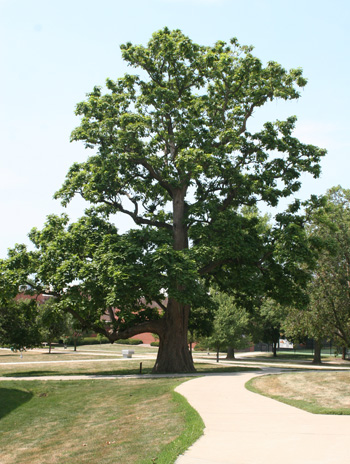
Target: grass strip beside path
95 366
318 392
126 421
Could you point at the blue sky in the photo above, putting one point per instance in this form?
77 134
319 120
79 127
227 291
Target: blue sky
53 52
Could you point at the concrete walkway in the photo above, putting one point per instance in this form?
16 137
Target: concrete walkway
246 428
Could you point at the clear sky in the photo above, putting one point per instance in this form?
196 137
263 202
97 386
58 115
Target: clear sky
52 52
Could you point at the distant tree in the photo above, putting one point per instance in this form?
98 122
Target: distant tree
74 332
230 325
53 322
19 327
327 315
267 323
301 324
201 323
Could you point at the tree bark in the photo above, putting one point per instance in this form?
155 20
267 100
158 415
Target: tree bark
173 354
343 353
274 349
230 352
317 353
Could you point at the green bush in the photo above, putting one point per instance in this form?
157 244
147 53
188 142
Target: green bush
154 343
87 341
129 341
102 340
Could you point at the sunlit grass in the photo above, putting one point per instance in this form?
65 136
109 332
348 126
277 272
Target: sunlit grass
318 392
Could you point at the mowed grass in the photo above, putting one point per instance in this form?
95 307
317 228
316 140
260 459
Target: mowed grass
91 421
86 367
38 356
36 363
107 367
117 348
317 392
285 357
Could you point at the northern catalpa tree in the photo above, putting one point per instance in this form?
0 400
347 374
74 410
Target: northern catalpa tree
172 150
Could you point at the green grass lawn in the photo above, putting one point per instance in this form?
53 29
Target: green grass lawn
90 421
109 421
319 392
283 356
112 348
107 367
37 363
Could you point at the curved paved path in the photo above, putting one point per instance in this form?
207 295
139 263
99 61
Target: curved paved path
246 428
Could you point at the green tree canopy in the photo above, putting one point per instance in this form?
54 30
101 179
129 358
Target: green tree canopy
19 327
173 151
231 324
328 313
53 322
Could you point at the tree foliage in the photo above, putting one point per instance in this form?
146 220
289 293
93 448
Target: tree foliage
328 313
53 323
231 324
19 327
267 322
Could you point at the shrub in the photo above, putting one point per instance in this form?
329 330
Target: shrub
129 341
87 341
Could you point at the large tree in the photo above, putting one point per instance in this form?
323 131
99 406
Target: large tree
327 315
172 151
330 292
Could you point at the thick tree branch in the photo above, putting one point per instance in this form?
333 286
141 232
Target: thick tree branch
148 326
155 175
137 219
213 265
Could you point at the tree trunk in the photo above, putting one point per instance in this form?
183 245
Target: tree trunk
317 353
230 352
274 349
49 347
343 353
75 344
173 354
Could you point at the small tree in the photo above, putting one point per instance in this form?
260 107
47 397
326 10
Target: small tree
74 332
267 323
19 327
230 327
52 321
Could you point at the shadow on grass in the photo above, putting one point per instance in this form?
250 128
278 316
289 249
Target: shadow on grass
11 399
30 373
87 372
201 369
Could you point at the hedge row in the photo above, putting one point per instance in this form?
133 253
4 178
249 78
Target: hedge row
104 340
129 341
